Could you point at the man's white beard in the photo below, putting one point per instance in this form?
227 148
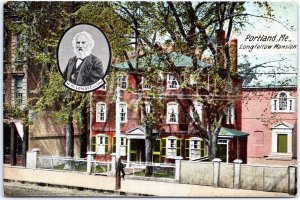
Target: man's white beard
82 54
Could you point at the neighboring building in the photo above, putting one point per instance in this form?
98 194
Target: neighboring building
270 117
15 95
175 138
20 81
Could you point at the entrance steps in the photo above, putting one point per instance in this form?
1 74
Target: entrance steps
280 156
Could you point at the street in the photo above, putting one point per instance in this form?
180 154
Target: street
17 189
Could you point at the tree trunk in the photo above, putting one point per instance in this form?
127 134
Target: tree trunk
84 131
214 147
148 144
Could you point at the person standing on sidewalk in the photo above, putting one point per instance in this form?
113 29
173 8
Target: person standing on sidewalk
122 166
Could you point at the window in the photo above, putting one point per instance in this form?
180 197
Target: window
123 82
230 115
147 109
100 112
172 113
171 147
198 109
283 102
101 144
172 82
258 138
19 90
123 112
145 84
194 148
223 150
123 147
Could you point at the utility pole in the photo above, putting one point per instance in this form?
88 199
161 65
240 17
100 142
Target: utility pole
118 140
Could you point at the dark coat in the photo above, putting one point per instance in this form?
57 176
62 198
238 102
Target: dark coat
91 70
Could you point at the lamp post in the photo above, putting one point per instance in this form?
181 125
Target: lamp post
118 140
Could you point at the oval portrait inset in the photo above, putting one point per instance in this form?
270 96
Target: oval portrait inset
84 57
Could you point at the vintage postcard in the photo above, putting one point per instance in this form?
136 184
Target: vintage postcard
150 98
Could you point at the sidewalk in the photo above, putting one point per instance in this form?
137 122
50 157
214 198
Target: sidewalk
128 186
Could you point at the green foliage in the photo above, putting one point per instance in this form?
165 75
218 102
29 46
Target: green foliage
134 29
13 112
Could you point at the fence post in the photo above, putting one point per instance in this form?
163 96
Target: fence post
292 172
113 164
90 158
32 156
177 168
237 173
216 172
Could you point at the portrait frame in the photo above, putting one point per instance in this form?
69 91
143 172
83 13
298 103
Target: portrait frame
101 50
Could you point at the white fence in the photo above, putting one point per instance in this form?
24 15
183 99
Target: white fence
218 174
62 163
159 170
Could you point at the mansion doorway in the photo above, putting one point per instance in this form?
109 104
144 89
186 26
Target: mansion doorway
137 150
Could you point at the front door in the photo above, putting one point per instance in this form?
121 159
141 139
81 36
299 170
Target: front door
282 143
222 152
137 150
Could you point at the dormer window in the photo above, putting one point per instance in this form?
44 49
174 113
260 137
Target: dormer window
145 84
123 82
172 83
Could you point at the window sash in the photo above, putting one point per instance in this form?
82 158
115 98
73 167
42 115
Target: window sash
172 113
172 82
123 147
123 112
145 84
18 90
101 144
123 82
101 112
173 147
282 103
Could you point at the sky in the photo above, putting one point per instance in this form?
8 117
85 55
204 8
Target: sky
286 13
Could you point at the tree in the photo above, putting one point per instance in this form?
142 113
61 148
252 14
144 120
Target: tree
41 24
140 31
194 29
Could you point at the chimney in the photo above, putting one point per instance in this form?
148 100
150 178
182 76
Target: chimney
220 37
233 55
